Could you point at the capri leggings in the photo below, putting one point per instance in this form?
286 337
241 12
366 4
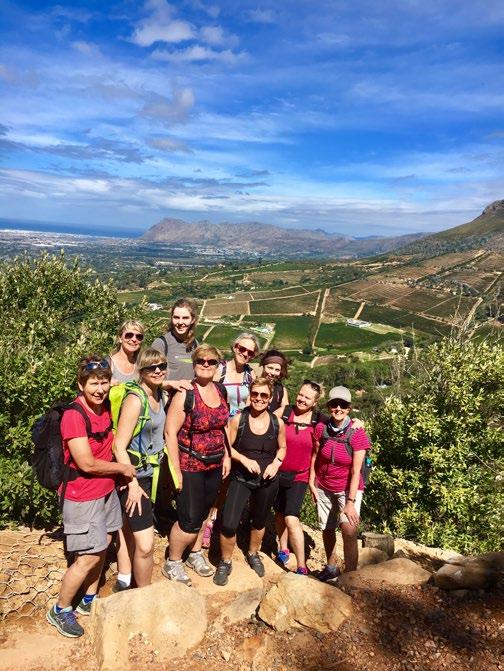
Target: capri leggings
261 500
199 491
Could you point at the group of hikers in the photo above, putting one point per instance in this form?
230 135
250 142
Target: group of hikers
229 438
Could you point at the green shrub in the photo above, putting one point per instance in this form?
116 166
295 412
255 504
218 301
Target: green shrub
52 314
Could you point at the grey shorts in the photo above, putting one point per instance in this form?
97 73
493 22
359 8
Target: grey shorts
87 523
330 505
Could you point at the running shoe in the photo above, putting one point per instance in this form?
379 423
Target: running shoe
65 622
174 570
198 563
84 607
329 572
302 570
283 557
222 573
255 563
119 586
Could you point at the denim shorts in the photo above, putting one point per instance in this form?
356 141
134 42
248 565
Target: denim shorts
87 523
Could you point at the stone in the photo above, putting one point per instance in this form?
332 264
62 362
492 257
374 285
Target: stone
454 576
394 571
169 615
297 600
369 556
241 608
492 561
384 542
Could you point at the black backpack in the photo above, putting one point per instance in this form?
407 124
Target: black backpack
48 459
345 437
241 425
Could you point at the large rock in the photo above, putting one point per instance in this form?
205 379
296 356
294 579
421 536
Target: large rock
298 600
470 576
368 556
384 542
168 616
395 571
491 561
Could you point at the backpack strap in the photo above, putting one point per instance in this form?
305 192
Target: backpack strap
95 435
276 423
165 345
223 371
287 413
189 401
241 426
247 374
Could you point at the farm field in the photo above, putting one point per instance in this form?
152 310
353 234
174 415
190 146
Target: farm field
296 304
220 308
221 336
403 319
277 293
291 332
453 307
477 280
336 306
345 338
492 262
419 300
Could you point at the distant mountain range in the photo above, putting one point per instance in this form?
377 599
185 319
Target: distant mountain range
266 238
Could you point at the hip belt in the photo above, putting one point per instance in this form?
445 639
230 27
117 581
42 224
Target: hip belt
214 458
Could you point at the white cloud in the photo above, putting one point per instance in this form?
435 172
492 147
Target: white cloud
87 48
169 144
160 26
196 54
217 37
261 15
175 110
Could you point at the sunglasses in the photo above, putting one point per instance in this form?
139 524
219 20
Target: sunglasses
338 402
314 385
93 365
154 367
210 362
254 395
245 351
130 335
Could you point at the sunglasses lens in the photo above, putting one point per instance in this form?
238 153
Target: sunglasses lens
338 403
137 336
155 366
210 362
93 365
259 394
245 350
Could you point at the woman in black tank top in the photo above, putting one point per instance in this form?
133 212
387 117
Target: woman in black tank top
258 448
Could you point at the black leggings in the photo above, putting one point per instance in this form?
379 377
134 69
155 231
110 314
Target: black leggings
199 491
261 500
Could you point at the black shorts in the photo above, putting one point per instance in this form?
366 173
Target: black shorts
290 499
261 499
144 521
199 491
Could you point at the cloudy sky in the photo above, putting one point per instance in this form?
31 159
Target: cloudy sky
355 116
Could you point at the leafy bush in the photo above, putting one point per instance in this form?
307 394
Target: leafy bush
52 314
439 451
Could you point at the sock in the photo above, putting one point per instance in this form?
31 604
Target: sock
59 610
286 551
195 552
125 578
87 598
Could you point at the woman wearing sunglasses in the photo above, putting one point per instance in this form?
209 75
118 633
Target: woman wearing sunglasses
274 366
143 449
300 421
258 448
196 439
336 482
123 358
237 374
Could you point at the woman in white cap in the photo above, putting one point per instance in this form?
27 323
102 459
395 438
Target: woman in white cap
337 479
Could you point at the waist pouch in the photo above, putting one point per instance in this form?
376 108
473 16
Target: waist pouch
252 480
214 458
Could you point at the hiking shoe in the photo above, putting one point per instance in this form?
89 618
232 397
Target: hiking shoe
65 622
84 607
302 570
328 573
198 563
174 570
222 573
255 563
283 557
119 586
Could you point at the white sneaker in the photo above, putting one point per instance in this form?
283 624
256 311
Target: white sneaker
199 564
174 570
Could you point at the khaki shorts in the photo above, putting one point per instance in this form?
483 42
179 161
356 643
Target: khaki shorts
330 505
87 523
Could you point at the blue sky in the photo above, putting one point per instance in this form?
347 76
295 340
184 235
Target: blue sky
354 116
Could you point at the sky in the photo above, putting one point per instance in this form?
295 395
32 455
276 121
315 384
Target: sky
354 116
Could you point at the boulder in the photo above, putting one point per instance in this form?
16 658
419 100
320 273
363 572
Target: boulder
470 576
384 542
368 556
297 600
168 617
395 571
241 608
491 561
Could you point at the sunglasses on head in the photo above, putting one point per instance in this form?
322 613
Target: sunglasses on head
314 385
130 335
93 365
245 350
210 362
152 368
254 395
338 402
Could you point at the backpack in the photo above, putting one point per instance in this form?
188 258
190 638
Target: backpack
188 408
247 373
345 437
276 400
241 425
118 393
48 458
317 417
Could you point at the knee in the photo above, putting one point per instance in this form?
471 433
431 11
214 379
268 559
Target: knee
348 532
228 531
88 562
144 550
292 522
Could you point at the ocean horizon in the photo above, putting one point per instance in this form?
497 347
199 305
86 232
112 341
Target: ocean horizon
75 229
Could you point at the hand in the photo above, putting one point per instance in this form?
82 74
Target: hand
226 466
271 470
135 495
251 465
179 385
128 471
178 473
351 513
313 492
357 423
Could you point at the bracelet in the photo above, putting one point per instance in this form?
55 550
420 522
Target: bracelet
349 499
278 459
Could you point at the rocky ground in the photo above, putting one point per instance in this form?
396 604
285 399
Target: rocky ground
391 626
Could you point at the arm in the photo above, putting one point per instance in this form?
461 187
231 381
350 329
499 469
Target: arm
226 463
285 398
272 469
250 464
174 420
357 423
87 463
349 509
311 481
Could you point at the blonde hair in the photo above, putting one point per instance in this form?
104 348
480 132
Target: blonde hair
247 336
149 356
262 382
205 350
129 324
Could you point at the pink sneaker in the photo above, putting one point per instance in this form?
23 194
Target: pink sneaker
207 535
